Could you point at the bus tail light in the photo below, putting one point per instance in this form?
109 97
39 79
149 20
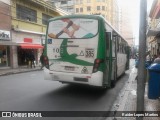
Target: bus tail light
97 63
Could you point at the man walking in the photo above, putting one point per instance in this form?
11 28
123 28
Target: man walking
42 60
32 58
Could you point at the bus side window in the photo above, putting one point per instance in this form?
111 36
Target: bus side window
122 48
108 39
117 44
114 47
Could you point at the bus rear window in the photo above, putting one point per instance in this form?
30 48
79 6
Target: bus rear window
73 28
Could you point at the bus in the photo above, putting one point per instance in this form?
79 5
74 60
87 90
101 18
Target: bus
84 49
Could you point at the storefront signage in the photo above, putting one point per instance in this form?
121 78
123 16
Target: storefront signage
28 40
4 35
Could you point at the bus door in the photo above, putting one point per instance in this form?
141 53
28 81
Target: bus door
114 60
108 58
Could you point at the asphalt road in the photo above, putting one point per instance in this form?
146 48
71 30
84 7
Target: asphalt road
30 92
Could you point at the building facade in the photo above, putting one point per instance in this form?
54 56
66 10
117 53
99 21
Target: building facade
126 28
5 34
66 5
27 27
153 33
107 8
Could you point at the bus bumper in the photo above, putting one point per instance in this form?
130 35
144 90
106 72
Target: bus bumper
95 79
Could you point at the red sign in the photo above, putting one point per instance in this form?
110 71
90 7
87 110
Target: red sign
28 40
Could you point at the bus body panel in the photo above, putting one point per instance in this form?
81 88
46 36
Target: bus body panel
82 60
74 43
72 54
121 63
95 79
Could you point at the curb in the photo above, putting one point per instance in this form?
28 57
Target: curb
18 72
121 99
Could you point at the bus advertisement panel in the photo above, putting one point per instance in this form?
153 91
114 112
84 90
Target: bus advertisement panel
72 45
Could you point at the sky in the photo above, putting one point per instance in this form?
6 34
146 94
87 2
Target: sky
134 6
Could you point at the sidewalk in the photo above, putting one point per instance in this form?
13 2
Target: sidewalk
21 69
126 101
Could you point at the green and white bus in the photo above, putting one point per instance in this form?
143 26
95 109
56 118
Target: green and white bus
84 49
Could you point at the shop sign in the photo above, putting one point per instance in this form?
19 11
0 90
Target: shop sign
28 40
5 35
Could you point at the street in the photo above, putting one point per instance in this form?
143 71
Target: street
30 92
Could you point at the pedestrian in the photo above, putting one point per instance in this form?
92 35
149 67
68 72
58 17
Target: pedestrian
157 60
32 59
42 60
27 60
136 60
148 61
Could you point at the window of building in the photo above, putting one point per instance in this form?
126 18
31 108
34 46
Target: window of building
103 7
88 8
98 8
77 10
25 13
81 9
45 18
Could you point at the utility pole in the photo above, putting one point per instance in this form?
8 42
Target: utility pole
142 57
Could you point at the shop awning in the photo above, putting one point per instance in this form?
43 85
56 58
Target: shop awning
31 46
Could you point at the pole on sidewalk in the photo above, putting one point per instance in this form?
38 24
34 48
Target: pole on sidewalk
142 57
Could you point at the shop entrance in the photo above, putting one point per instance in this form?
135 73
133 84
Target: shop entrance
23 55
4 56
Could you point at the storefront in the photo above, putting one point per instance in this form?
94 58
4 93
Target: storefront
5 44
154 42
28 43
4 56
25 50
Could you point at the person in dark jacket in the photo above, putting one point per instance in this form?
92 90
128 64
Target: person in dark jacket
42 60
32 59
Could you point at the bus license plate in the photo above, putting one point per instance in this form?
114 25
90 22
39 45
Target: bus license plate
69 68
